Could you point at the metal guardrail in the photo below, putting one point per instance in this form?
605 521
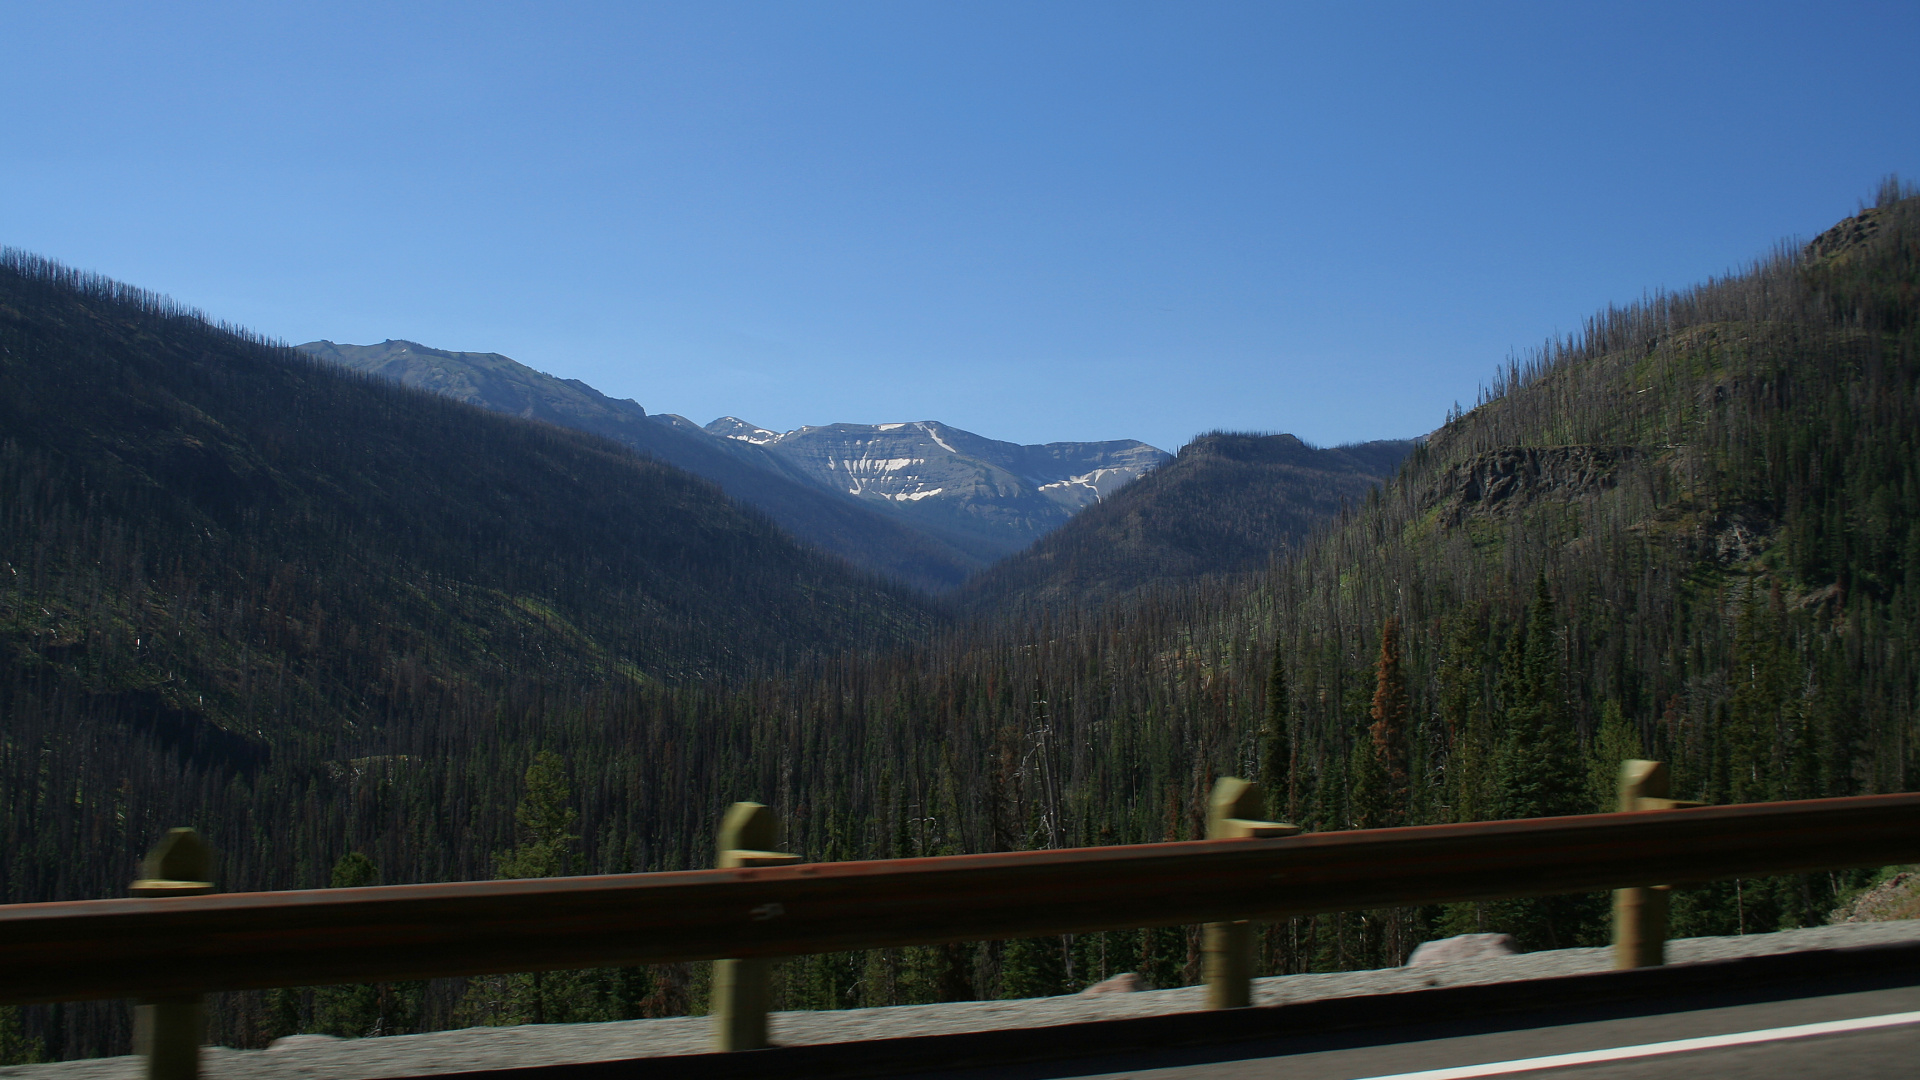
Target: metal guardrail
174 948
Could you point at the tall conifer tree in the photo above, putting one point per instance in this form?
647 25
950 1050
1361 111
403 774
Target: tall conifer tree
1388 733
1276 743
1539 770
365 1009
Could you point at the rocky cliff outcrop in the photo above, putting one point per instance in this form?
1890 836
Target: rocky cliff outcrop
1505 481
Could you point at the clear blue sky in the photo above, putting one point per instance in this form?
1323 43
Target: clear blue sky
1036 221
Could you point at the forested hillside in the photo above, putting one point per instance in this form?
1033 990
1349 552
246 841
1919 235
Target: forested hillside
1685 533
221 558
1228 504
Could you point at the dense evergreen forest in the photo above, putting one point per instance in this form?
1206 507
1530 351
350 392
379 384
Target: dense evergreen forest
1683 533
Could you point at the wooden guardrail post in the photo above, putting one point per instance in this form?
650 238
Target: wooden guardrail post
1640 913
168 1031
743 989
1234 812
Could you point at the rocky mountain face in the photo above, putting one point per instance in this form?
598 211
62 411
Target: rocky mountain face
985 496
1506 480
771 483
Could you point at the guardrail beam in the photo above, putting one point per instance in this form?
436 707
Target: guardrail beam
139 947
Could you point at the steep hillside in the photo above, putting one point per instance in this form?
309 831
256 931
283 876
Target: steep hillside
1688 533
988 497
229 544
1227 504
765 481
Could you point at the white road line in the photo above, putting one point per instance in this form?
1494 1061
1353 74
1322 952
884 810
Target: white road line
1677 1046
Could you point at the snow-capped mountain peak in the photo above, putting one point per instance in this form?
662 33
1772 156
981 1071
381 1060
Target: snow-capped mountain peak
1001 494
732 427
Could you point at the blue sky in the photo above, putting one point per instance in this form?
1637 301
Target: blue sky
1036 221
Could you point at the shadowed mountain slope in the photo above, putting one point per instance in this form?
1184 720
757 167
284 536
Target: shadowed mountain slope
755 476
1227 504
231 541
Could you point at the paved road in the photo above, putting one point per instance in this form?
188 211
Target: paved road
1865 1030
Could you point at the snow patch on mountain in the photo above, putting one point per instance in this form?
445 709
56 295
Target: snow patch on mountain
928 428
1003 495
732 427
1088 487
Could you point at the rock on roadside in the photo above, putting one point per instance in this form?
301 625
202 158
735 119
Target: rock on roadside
1463 948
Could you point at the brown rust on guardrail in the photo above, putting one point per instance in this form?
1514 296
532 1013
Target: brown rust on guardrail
147 947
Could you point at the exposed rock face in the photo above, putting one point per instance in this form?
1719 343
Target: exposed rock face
1504 481
1738 534
1852 233
1465 947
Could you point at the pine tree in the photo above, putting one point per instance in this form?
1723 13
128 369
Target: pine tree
1537 775
1768 755
546 819
1369 800
1616 741
1467 728
364 1009
16 1046
1034 967
1388 733
1277 745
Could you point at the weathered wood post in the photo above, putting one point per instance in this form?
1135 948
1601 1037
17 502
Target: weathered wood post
1234 813
1640 913
168 1031
743 989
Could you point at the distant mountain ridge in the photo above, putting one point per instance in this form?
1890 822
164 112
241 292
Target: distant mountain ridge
1229 503
765 481
984 495
1071 474
922 502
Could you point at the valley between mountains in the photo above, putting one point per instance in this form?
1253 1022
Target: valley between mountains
391 613
972 499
